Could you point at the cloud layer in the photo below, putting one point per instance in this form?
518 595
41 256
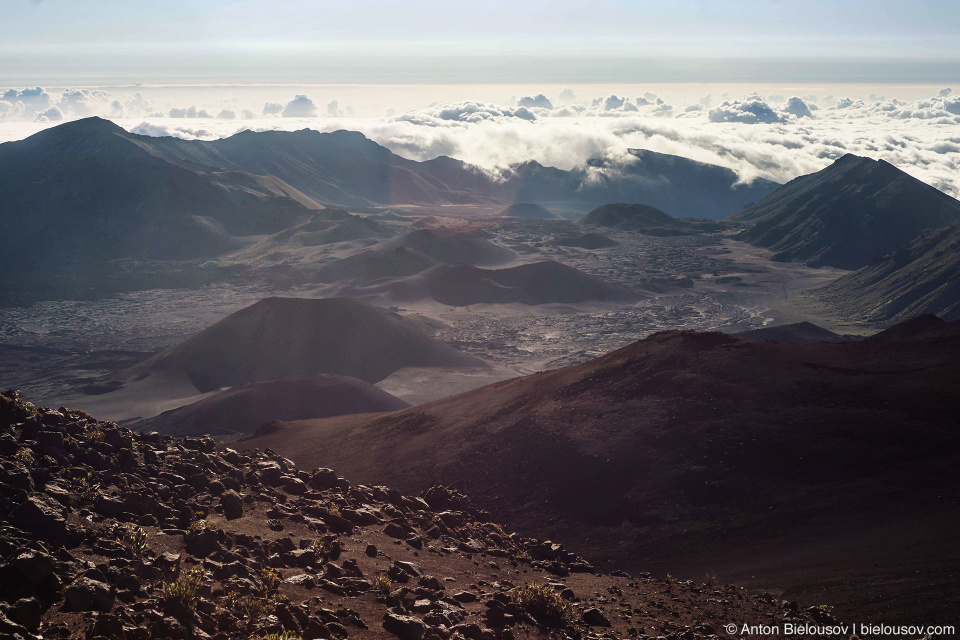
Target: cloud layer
773 136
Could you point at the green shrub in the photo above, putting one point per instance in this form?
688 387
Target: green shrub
186 588
136 539
269 581
88 489
252 607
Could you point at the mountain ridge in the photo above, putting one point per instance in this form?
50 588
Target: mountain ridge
846 215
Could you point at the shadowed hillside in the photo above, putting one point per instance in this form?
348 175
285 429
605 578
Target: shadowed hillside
245 407
114 534
87 191
706 452
284 337
536 283
799 333
846 215
921 277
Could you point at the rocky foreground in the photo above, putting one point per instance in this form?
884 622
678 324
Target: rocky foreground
107 533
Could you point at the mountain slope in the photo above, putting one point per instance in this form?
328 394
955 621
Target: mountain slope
245 407
345 168
88 191
533 284
131 535
922 277
342 167
284 337
846 215
799 332
682 187
701 451
529 211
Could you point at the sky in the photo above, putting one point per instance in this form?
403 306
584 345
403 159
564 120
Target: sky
95 42
770 89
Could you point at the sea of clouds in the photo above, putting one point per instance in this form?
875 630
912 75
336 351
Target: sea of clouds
774 136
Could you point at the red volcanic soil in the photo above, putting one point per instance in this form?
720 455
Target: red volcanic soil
827 472
110 541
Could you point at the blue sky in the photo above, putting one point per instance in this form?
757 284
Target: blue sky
97 41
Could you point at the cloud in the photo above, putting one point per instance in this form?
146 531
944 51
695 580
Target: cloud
35 99
84 102
468 111
945 92
10 110
300 107
780 143
610 103
568 95
189 112
538 100
50 114
750 111
798 107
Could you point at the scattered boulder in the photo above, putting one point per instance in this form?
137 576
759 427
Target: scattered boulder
86 594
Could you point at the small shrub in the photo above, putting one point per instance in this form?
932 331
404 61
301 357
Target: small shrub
269 580
198 525
323 548
334 509
252 607
186 588
80 413
136 539
88 489
283 635
95 433
544 603
383 584
25 457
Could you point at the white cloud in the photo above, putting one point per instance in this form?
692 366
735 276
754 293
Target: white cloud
468 111
798 107
50 114
916 132
539 100
753 110
35 99
300 107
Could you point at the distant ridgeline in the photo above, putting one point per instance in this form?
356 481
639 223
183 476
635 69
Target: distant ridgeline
898 233
87 191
